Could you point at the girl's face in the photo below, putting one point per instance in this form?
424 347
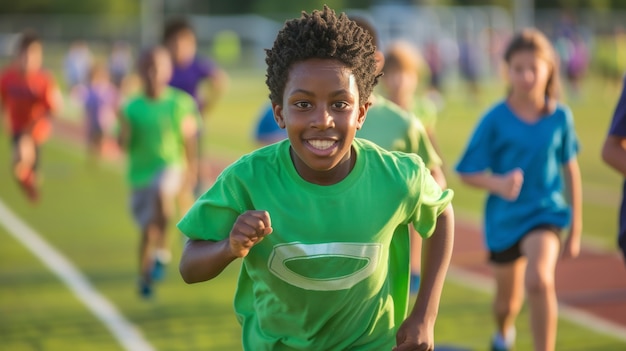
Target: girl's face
528 73
321 112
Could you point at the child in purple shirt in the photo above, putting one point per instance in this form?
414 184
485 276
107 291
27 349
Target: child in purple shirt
190 71
614 154
100 101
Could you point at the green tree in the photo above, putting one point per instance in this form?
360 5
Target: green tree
105 7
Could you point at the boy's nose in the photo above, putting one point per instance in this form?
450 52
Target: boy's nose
323 119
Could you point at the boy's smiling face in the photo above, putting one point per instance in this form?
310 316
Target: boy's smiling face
320 110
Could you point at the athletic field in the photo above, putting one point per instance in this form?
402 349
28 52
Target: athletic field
85 297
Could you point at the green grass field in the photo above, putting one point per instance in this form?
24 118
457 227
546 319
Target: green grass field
83 214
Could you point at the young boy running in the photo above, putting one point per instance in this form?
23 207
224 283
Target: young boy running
29 97
158 131
312 217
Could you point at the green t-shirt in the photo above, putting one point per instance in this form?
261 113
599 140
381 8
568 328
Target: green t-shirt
156 140
426 111
392 128
320 281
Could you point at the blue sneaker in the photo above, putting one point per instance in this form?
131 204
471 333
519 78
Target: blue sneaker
414 284
145 290
503 343
158 271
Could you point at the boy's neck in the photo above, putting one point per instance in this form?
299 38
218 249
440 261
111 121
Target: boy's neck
154 92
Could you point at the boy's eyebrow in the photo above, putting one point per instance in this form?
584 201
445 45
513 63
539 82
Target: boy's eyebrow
309 93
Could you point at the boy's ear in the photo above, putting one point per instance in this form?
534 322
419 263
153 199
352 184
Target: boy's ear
379 57
278 115
362 114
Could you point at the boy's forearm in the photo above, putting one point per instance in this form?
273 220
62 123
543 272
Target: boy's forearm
204 260
191 156
614 154
436 254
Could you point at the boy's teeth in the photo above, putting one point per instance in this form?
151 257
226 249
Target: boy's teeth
321 144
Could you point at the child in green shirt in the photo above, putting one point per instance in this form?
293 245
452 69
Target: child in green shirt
313 217
158 129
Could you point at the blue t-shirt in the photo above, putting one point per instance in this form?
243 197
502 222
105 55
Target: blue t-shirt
618 129
502 142
267 130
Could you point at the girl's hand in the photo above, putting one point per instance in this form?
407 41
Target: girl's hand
571 247
249 229
509 185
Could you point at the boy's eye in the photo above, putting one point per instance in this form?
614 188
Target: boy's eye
340 105
302 104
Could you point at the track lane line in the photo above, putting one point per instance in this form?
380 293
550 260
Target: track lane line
124 331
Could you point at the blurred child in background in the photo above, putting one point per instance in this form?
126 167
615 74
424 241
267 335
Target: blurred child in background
401 80
395 129
523 153
29 96
77 64
100 100
158 129
198 76
614 155
120 64
266 130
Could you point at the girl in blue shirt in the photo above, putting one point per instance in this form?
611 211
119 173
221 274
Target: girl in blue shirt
523 152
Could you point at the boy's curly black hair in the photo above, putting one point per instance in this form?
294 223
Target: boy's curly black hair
321 34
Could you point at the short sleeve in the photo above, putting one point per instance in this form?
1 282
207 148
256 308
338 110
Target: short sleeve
477 154
187 107
570 139
618 124
3 87
212 216
206 67
431 202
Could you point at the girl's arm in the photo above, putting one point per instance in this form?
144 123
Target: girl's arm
614 153
204 259
507 185
418 329
573 184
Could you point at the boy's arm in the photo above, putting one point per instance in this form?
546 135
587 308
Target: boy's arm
217 85
190 129
204 259
614 153
573 184
418 329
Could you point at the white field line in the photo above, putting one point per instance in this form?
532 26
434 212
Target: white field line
578 316
124 331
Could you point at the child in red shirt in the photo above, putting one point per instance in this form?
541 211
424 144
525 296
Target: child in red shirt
28 95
